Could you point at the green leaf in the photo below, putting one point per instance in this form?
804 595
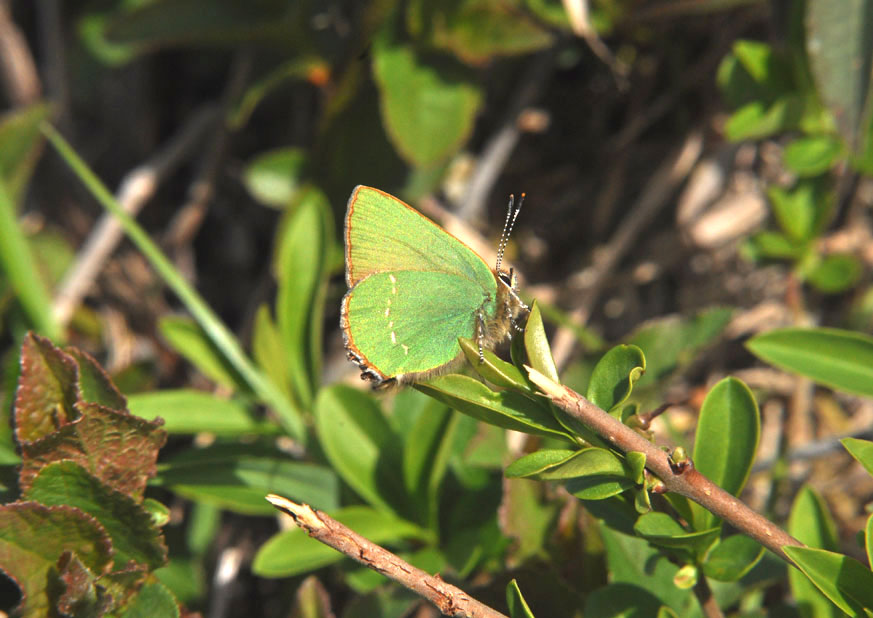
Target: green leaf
732 558
134 535
811 523
476 30
428 105
843 580
153 599
773 246
20 147
32 539
19 264
528 518
837 358
834 273
192 411
726 441
662 530
494 369
868 539
614 377
518 607
426 452
505 409
536 344
273 177
802 211
360 445
622 600
304 244
813 155
533 464
189 340
237 477
757 120
862 450
839 45
292 552
268 349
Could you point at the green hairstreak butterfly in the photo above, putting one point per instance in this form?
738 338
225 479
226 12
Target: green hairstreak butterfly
414 289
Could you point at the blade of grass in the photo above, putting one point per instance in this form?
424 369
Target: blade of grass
214 328
17 261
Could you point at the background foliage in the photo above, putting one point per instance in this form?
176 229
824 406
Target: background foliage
698 201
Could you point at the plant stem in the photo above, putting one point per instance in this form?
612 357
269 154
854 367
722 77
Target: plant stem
686 481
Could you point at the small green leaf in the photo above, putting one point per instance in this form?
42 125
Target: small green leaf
273 177
732 558
594 474
505 409
192 411
769 245
757 120
662 530
868 539
813 155
622 600
360 445
811 523
94 384
535 463
428 105
292 552
614 376
834 273
837 358
843 580
800 211
426 453
189 340
153 599
518 607
862 450
236 477
726 441
536 344
269 351
637 462
494 369
303 247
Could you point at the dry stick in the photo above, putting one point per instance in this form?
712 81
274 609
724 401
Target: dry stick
706 599
136 188
17 68
450 600
655 195
688 482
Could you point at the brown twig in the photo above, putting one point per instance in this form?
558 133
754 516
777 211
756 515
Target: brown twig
18 72
706 599
687 482
450 600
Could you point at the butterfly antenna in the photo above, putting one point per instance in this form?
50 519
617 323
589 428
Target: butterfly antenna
511 216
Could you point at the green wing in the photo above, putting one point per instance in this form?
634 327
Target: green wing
383 234
409 322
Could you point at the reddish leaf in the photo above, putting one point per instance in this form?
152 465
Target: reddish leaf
81 596
93 383
46 389
116 447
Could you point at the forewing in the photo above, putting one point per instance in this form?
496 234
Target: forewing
383 234
409 322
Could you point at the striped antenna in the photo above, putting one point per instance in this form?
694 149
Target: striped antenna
511 216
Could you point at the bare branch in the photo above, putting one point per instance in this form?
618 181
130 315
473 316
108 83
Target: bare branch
450 600
686 481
